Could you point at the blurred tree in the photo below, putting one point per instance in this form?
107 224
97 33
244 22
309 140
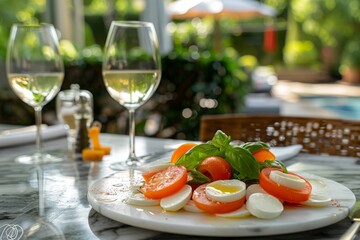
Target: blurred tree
332 21
331 25
16 12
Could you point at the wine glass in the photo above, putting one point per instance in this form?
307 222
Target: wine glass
35 72
132 72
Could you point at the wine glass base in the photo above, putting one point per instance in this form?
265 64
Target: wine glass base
37 159
39 229
126 165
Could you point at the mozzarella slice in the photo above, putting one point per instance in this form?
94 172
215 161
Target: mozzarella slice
178 200
287 180
191 207
264 206
317 200
226 190
254 188
239 213
139 199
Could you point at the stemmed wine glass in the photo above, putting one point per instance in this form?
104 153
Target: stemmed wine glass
35 72
131 71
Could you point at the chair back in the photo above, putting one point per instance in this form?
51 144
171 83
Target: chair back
317 135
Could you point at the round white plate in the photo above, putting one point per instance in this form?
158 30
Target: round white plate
107 196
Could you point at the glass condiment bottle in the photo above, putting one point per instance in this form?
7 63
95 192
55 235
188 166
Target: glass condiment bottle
66 107
65 111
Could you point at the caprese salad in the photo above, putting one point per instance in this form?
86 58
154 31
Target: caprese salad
227 180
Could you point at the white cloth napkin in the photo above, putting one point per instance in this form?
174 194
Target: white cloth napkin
284 153
28 135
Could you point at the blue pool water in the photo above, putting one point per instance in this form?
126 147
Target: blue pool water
344 107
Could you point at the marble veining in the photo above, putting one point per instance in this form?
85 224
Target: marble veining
68 214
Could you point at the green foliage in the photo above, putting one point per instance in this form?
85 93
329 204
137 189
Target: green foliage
15 12
94 7
195 33
198 83
279 5
72 56
334 23
300 54
351 55
92 55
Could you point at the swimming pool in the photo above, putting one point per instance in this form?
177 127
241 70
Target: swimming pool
344 107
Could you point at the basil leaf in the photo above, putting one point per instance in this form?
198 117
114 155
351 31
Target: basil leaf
194 157
220 139
272 164
243 163
198 178
255 146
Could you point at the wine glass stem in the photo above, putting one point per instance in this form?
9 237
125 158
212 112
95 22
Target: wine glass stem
40 175
38 128
132 156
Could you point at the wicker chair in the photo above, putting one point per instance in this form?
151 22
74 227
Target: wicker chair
317 135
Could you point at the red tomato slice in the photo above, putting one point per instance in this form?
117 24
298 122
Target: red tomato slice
203 202
165 182
215 168
263 154
148 175
281 192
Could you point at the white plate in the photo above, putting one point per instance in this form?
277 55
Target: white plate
284 153
106 197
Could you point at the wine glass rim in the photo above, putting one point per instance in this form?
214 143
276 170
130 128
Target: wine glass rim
132 23
32 25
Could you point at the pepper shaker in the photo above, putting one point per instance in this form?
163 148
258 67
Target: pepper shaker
83 117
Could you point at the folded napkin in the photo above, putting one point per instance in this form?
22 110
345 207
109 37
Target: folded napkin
284 153
28 134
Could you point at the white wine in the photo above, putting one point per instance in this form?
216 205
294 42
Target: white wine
36 89
131 88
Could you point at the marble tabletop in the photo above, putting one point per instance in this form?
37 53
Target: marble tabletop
68 214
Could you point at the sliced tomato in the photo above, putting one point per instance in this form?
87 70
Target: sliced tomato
263 154
203 202
281 192
184 148
148 175
165 182
215 168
